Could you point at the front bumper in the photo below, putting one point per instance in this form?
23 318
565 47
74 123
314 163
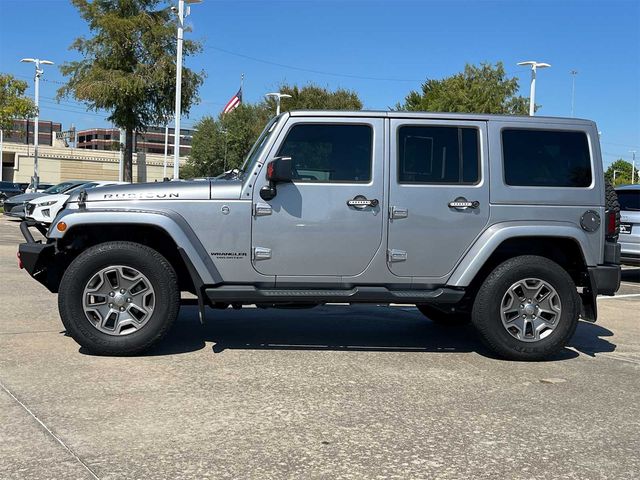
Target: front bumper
37 258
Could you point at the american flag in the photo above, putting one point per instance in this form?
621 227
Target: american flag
235 101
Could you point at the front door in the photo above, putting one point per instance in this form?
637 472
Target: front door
313 227
439 194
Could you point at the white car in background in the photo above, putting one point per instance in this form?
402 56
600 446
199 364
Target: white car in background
45 209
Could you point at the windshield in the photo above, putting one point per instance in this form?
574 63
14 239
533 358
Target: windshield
256 150
60 188
629 200
84 186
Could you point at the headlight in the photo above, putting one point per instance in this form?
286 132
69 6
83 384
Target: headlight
45 204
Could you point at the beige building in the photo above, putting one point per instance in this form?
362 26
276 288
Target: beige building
58 163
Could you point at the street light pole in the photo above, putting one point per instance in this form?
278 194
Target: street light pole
166 150
39 71
633 165
176 134
278 96
573 89
532 96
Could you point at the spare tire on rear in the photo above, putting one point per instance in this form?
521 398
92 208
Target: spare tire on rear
612 205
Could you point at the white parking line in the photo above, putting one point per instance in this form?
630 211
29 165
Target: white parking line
620 296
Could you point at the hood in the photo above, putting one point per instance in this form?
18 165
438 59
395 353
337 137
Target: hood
181 190
25 197
61 197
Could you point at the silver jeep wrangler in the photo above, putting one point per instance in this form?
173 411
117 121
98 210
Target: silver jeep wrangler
502 221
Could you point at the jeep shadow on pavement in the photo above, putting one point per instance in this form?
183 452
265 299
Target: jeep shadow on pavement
501 221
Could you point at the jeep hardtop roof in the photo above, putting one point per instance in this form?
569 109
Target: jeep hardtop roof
438 116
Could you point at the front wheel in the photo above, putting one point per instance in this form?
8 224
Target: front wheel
527 308
118 298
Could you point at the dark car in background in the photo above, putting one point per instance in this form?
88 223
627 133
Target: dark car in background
8 190
629 239
14 206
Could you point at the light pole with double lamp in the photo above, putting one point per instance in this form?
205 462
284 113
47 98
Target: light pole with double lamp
532 96
182 14
39 71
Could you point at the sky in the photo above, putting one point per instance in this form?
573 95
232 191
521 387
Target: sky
381 49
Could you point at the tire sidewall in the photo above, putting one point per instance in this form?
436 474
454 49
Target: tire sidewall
87 264
487 315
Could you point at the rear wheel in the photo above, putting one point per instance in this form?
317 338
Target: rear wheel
118 298
526 309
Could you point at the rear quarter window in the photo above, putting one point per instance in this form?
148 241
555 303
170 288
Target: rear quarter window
546 158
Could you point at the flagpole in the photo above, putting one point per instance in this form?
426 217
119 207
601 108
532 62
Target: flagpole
241 83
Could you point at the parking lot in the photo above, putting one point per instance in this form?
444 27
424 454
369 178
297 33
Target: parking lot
330 392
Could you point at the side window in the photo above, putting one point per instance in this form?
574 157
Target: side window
330 153
546 158
438 155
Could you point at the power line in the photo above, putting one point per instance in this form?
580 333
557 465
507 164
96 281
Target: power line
309 70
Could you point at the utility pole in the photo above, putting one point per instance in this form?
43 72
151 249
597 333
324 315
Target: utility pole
633 165
573 89
35 180
532 96
176 134
166 151
121 141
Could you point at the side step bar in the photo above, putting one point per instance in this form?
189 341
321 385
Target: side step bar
252 294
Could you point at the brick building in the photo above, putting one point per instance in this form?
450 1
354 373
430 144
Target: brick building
151 141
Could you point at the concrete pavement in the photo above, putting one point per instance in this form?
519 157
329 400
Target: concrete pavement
361 392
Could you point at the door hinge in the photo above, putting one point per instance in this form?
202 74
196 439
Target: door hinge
397 212
261 253
394 255
261 209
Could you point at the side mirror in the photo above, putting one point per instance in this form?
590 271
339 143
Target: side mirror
280 170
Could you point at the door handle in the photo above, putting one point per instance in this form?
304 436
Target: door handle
462 203
361 202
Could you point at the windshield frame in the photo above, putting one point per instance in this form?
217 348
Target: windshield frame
258 146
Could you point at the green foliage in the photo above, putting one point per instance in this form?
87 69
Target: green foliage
244 124
13 103
313 97
623 172
479 89
129 65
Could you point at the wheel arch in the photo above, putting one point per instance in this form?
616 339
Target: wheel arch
566 245
167 233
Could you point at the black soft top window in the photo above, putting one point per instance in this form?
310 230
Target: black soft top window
546 158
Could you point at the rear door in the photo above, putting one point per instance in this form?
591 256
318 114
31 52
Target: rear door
439 194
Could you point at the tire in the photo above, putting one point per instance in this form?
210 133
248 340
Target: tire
612 205
134 329
444 318
496 296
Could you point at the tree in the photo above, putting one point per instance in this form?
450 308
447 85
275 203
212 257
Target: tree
623 172
479 89
13 103
214 151
128 65
313 97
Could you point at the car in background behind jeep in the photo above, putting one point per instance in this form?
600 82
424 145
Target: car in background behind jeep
14 207
8 190
629 198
